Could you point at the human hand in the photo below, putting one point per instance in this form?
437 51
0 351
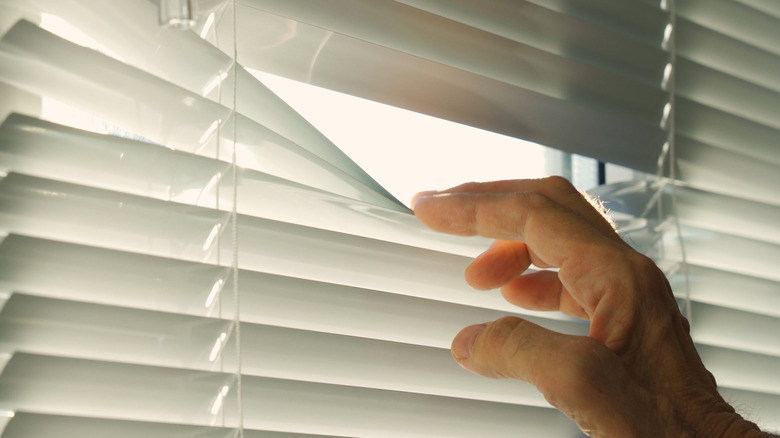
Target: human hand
637 373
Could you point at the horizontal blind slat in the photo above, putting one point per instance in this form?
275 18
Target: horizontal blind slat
349 361
117 221
40 148
770 7
43 149
47 326
320 57
727 131
636 18
25 424
744 371
728 172
558 33
108 25
698 208
727 252
735 20
165 113
52 209
66 386
726 54
391 25
142 393
728 214
191 62
727 93
737 330
728 289
378 356
72 329
44 63
94 331
330 409
75 272
311 305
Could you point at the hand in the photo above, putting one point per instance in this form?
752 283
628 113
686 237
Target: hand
637 373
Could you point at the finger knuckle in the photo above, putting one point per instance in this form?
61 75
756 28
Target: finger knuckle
642 262
559 184
468 186
518 341
686 324
505 341
532 200
587 363
649 277
582 371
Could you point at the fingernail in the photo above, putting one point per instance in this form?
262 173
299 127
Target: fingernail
416 197
463 344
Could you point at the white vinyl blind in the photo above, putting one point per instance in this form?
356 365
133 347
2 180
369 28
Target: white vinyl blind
200 261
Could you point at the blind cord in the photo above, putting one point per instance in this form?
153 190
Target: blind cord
234 232
671 88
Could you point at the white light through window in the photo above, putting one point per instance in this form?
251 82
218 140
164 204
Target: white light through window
404 151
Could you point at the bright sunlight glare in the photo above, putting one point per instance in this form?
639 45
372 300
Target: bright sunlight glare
405 151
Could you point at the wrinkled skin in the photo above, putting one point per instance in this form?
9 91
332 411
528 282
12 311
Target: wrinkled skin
637 373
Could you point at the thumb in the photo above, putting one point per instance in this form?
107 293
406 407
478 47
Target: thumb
510 348
578 375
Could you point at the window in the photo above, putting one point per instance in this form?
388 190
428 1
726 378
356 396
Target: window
184 253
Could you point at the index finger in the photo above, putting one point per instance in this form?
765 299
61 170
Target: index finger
592 265
558 189
554 232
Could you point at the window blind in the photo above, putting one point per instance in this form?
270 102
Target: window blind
131 308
